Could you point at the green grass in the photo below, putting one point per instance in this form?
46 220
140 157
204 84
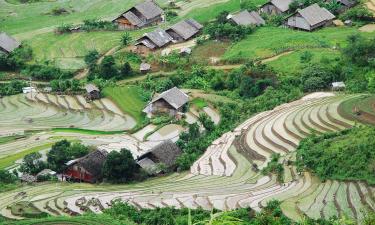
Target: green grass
269 41
11 159
86 131
7 139
199 103
291 63
129 99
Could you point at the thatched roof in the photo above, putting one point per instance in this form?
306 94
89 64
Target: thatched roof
157 38
28 178
166 153
174 97
246 18
315 14
91 87
93 162
282 5
149 9
7 43
186 28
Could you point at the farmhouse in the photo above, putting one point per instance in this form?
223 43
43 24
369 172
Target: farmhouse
152 41
7 43
345 4
246 18
87 168
165 153
184 30
171 102
141 15
310 18
275 6
92 92
144 67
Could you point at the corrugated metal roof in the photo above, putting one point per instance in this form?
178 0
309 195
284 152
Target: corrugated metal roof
246 18
186 28
175 97
314 14
159 37
133 19
282 5
149 9
8 43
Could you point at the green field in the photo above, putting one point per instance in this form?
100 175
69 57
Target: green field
129 99
291 63
9 160
269 41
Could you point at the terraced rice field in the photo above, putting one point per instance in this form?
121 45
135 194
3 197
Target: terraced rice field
43 111
225 178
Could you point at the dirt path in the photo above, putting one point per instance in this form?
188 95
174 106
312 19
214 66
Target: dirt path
367 28
266 60
371 6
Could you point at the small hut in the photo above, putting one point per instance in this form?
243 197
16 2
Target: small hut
7 43
92 92
144 68
165 153
337 86
246 18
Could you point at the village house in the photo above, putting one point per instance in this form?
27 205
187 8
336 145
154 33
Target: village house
310 18
7 43
246 18
345 4
144 67
141 15
87 168
164 154
92 92
184 30
152 41
275 7
171 102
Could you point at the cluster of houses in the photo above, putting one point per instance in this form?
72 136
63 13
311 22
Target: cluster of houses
7 43
89 167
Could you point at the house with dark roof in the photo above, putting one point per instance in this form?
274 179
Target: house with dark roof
275 7
170 102
7 43
144 14
246 18
87 168
184 30
310 18
345 4
165 153
152 41
92 92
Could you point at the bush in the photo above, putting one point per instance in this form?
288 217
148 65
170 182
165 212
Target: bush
120 167
358 13
12 88
45 72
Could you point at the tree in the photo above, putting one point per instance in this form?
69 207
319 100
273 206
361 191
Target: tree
206 121
108 68
126 39
32 163
91 57
120 167
63 151
6 177
313 84
126 70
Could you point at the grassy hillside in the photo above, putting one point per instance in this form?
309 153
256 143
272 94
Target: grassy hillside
129 99
269 41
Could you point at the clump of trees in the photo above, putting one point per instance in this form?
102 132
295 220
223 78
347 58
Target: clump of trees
120 167
274 167
12 88
88 25
345 155
222 29
62 152
358 14
8 180
16 59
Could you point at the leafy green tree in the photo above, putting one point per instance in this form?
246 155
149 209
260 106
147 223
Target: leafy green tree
63 151
91 57
206 121
32 163
6 177
126 39
314 84
120 167
108 68
126 70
